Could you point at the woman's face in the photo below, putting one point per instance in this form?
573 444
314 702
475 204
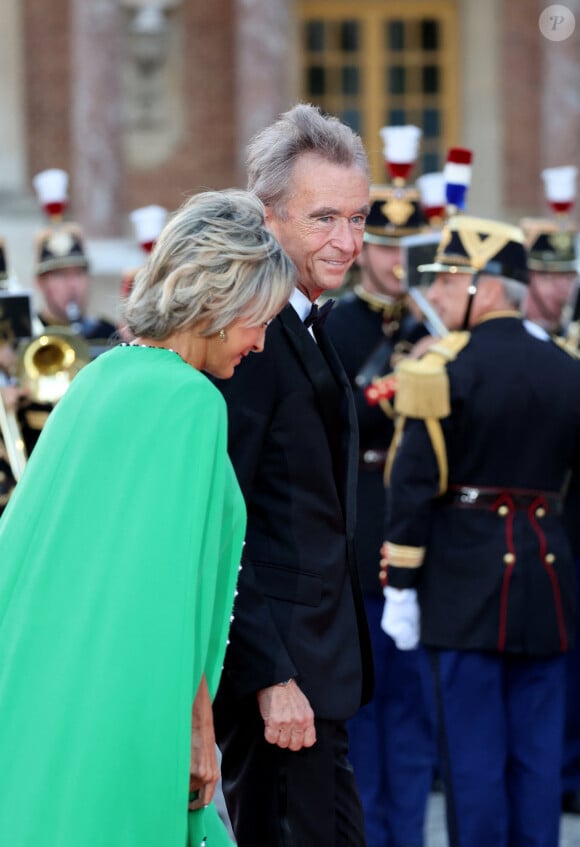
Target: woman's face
223 352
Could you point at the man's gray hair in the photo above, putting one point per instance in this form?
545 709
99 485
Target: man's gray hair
213 263
514 291
272 153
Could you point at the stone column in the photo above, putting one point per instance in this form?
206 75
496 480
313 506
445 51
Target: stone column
97 153
264 67
12 137
481 103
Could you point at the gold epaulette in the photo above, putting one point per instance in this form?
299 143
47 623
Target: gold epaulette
423 393
569 345
423 385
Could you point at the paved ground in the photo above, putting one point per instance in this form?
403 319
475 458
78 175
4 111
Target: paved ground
436 835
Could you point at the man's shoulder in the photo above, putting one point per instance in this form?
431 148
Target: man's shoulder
352 320
345 302
412 329
345 307
94 328
256 375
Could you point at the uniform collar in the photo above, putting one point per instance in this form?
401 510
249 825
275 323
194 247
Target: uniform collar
504 313
389 307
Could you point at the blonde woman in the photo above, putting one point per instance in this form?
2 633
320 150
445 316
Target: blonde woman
120 552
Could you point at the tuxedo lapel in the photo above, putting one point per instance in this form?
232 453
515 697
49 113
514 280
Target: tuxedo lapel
350 447
316 368
323 368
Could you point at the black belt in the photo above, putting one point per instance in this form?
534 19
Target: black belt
492 499
372 460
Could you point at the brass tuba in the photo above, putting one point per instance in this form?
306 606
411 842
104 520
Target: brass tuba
48 363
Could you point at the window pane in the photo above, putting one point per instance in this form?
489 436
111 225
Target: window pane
396 117
350 80
315 36
430 35
431 162
396 35
396 80
349 36
316 83
352 118
430 79
431 123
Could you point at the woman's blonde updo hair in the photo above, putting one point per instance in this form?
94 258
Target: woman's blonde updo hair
214 262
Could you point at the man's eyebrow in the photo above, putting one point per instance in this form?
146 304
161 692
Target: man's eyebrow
325 210
329 210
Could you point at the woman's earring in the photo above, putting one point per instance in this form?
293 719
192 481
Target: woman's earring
222 335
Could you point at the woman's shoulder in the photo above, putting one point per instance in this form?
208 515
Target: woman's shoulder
155 370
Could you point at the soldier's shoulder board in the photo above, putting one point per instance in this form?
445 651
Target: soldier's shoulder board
567 346
423 384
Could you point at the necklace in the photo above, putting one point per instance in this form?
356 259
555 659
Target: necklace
150 347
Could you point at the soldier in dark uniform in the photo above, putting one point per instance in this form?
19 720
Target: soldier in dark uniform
62 278
488 432
553 264
391 738
15 324
62 265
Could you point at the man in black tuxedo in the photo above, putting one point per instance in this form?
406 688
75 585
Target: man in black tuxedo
392 739
298 664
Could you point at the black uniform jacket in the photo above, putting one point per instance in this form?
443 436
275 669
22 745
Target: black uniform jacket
293 442
498 571
357 332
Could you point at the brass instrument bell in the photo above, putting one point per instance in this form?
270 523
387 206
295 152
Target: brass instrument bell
48 363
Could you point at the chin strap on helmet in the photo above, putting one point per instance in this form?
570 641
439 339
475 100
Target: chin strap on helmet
471 291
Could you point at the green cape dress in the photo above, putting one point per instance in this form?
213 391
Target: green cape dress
119 553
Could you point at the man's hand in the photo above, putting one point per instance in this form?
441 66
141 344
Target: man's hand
204 771
12 396
401 617
288 716
422 346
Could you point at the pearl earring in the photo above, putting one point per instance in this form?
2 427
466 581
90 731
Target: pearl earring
222 335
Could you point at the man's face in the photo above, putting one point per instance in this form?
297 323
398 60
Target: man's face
62 287
323 228
547 295
449 295
381 269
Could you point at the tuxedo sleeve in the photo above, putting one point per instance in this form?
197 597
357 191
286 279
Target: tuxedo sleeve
256 656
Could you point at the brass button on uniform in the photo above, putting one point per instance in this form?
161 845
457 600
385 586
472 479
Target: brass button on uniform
503 511
509 558
550 559
540 512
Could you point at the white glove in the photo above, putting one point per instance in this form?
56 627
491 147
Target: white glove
401 617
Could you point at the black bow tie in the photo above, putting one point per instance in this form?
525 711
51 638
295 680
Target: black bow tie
318 314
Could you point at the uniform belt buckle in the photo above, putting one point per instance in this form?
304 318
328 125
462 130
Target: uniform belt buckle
469 495
371 456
